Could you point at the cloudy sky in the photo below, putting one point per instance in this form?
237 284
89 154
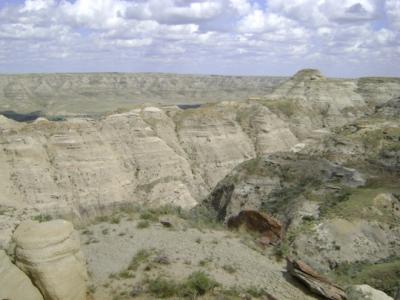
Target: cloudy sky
345 38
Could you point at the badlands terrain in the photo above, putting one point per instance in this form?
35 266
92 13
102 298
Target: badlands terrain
209 187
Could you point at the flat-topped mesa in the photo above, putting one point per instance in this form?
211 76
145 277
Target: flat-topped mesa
308 74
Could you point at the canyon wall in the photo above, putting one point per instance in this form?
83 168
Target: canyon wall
162 154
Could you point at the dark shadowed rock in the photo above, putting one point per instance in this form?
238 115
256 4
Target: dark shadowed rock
315 282
269 227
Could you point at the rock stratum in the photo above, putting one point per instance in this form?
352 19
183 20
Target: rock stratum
104 92
158 155
162 154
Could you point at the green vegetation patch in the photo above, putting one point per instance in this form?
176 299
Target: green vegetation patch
359 203
285 106
197 284
42 218
383 276
141 256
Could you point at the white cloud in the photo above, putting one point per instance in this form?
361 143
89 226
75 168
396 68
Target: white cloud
199 34
393 12
36 5
95 13
172 12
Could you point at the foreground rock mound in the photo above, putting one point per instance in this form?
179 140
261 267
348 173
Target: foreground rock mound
314 281
50 254
14 284
365 292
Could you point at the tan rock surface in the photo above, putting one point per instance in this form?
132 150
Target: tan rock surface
149 155
15 284
50 254
365 292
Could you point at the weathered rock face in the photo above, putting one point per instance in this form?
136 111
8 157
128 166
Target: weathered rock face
314 281
154 155
275 183
50 254
149 156
317 101
331 213
337 241
365 292
15 284
266 225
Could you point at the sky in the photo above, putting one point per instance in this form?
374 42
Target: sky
342 38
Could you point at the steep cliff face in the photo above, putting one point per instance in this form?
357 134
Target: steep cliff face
149 155
156 154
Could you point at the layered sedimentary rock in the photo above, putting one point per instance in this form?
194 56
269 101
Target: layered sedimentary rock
15 284
103 92
148 155
157 155
317 283
50 254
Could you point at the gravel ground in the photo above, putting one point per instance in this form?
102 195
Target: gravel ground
231 258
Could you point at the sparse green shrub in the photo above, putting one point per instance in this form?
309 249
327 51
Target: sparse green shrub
42 218
384 276
229 268
143 224
140 257
149 216
87 232
102 219
197 284
91 289
115 220
162 288
126 274
285 106
256 292
56 118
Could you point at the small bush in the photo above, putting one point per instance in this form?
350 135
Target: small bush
229 268
42 218
143 224
102 219
149 216
198 283
139 258
256 292
126 274
162 288
115 220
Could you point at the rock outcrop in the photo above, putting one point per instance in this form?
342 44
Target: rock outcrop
150 155
314 281
267 182
15 284
50 254
266 225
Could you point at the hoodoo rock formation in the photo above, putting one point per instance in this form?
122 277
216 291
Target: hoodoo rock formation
50 254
